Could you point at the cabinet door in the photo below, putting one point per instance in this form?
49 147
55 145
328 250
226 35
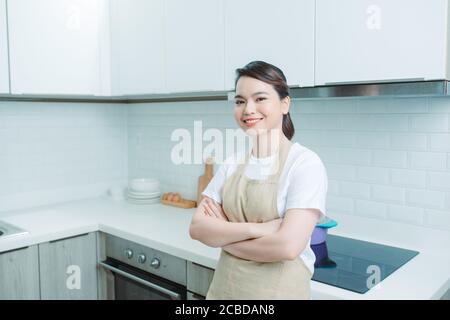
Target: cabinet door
4 64
278 32
137 46
68 268
194 45
19 274
198 279
380 40
54 46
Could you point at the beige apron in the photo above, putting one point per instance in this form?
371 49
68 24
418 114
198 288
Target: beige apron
247 200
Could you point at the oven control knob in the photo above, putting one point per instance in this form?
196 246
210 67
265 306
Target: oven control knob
155 263
141 258
129 253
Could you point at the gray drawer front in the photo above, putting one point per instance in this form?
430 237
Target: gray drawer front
199 278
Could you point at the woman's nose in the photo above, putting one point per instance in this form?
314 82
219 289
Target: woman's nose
249 108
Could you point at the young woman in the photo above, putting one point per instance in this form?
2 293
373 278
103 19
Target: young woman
262 211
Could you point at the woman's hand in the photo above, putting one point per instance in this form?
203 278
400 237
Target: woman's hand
213 209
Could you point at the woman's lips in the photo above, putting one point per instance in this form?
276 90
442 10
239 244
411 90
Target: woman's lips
250 122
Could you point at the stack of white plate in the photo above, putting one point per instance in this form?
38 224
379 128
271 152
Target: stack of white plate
143 191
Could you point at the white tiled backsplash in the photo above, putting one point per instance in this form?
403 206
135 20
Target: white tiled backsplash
386 158
51 152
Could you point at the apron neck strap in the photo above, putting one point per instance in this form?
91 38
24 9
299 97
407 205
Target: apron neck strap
282 153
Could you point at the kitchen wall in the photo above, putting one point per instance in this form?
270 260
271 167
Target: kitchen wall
386 158
52 152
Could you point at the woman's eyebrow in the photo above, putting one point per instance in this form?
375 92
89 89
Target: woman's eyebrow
254 94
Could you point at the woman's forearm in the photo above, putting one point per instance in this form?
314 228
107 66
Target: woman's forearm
270 248
285 244
218 233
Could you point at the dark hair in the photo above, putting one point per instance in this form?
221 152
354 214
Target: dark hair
272 75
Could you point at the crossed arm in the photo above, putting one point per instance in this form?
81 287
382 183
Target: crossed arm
276 240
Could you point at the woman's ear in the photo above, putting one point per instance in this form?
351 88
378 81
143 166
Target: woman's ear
285 104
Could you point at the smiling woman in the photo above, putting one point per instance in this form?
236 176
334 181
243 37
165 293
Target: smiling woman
261 207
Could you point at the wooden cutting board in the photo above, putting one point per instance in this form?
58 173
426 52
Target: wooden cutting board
204 179
183 203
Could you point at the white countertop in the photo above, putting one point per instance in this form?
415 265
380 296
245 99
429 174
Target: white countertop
165 228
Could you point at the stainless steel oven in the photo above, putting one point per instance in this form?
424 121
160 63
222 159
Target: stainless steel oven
136 272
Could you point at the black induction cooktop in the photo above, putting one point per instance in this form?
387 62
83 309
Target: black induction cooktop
356 265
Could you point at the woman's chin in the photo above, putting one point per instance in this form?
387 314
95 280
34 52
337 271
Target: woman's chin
255 131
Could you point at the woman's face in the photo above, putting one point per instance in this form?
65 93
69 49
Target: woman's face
258 106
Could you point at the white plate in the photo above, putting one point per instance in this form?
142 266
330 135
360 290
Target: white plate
153 201
142 199
154 196
143 194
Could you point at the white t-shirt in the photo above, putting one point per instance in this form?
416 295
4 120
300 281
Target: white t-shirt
303 183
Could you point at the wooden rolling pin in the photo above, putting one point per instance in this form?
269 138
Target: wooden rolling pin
204 180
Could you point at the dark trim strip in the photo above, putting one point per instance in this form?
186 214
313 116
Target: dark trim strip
12 250
67 238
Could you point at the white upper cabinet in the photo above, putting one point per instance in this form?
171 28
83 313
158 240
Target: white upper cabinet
194 46
4 65
137 46
381 40
54 46
279 32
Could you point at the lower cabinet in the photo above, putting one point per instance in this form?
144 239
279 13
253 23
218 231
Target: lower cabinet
19 274
198 280
68 268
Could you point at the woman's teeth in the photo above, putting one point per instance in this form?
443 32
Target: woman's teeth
252 121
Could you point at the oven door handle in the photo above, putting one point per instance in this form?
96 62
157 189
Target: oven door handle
148 284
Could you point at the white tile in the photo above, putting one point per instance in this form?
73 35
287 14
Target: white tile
357 122
406 214
340 204
426 198
439 181
408 178
372 174
390 122
439 142
428 160
354 190
317 122
409 141
354 156
429 123
337 138
437 219
393 105
389 158
388 193
370 209
341 172
333 187
374 140
440 105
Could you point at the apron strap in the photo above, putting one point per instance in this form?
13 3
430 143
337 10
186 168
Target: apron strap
283 152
